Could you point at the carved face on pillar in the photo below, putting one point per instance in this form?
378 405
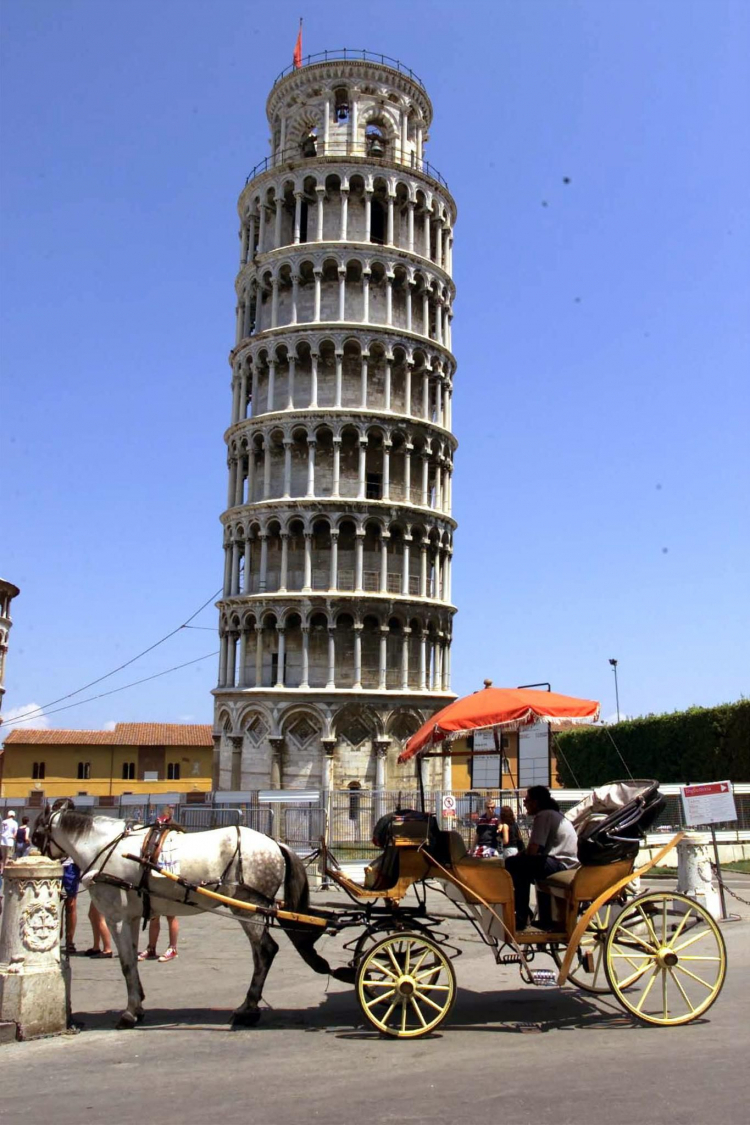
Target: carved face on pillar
40 925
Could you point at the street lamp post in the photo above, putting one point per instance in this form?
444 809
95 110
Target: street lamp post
613 662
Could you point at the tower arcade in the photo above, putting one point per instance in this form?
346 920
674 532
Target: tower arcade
336 615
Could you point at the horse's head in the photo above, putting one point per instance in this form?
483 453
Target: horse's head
42 836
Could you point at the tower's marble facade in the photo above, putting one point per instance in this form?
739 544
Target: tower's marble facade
336 616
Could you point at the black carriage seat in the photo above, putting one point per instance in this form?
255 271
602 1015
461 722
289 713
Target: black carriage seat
617 836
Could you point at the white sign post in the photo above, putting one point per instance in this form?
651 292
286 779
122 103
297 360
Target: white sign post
710 803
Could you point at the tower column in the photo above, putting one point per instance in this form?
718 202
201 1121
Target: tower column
284 536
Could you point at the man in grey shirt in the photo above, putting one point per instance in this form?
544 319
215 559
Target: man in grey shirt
553 846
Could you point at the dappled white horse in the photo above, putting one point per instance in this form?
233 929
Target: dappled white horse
237 862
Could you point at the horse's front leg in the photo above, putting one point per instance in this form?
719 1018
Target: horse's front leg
264 950
125 934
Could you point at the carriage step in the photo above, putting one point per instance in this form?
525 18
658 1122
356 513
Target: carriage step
509 959
544 978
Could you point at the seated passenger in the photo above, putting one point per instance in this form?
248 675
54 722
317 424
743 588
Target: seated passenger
553 846
515 843
491 833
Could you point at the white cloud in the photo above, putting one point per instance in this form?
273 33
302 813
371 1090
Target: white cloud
110 724
36 721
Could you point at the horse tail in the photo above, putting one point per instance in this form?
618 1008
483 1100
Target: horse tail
297 899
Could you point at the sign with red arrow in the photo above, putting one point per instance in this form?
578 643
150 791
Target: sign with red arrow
709 803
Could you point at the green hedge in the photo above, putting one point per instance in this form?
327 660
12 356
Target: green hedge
702 744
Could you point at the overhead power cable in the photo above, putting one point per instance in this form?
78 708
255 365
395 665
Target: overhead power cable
114 691
36 711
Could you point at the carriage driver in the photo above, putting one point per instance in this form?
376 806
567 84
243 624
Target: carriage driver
553 846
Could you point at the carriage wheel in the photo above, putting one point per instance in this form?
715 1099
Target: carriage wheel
406 985
592 943
665 958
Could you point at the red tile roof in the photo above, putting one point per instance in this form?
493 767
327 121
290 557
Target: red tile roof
124 734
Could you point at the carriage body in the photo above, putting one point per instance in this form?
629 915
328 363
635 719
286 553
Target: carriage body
661 954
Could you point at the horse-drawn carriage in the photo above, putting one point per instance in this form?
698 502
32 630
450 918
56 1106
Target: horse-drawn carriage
660 953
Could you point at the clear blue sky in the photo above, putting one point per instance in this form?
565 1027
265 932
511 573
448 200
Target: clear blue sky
601 329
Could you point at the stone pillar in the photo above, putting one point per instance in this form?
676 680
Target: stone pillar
358 657
384 562
311 446
339 379
388 379
387 445
411 205
258 656
383 661
297 216
281 650
295 297
344 216
307 584
359 554
331 657
236 781
277 762
368 214
362 465
287 443
271 384
329 749
694 877
366 296
305 681
290 382
336 466
313 380
363 397
342 294
380 746
405 659
389 228
242 679
277 223
34 985
334 579
321 191
316 308
284 536
216 762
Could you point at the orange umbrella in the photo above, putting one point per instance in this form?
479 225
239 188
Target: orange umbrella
500 709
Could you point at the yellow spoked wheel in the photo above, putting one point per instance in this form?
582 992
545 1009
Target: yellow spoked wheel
591 952
406 985
665 958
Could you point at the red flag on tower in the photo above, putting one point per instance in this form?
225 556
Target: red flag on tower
297 56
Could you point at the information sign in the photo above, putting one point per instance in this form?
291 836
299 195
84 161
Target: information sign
709 803
484 740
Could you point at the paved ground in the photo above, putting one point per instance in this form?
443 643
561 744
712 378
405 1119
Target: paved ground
508 1053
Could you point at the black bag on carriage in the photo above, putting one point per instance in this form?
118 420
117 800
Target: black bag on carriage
612 821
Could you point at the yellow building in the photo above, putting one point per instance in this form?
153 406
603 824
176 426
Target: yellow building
132 758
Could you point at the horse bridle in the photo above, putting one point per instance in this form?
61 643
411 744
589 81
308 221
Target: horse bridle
42 835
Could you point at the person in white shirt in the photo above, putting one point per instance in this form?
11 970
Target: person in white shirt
8 833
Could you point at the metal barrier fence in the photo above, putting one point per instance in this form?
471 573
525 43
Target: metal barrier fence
347 817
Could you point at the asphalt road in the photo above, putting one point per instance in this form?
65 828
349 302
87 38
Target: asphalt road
508 1052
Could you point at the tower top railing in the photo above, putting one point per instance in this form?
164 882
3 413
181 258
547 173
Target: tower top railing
354 54
335 149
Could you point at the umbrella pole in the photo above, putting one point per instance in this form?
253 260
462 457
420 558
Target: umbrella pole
421 782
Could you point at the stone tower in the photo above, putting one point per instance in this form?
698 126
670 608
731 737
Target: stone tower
336 617
7 593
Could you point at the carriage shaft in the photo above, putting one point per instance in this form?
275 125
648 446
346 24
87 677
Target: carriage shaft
250 907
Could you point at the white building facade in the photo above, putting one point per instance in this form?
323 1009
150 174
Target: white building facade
336 616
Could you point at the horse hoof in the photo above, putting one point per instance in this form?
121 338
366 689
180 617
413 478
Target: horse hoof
126 1022
140 1017
242 1018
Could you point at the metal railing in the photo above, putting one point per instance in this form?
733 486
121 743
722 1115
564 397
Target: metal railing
356 54
318 149
352 813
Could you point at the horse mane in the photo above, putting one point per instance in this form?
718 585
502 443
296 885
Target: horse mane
79 823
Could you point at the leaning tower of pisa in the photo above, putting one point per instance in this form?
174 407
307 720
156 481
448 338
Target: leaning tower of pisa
336 616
